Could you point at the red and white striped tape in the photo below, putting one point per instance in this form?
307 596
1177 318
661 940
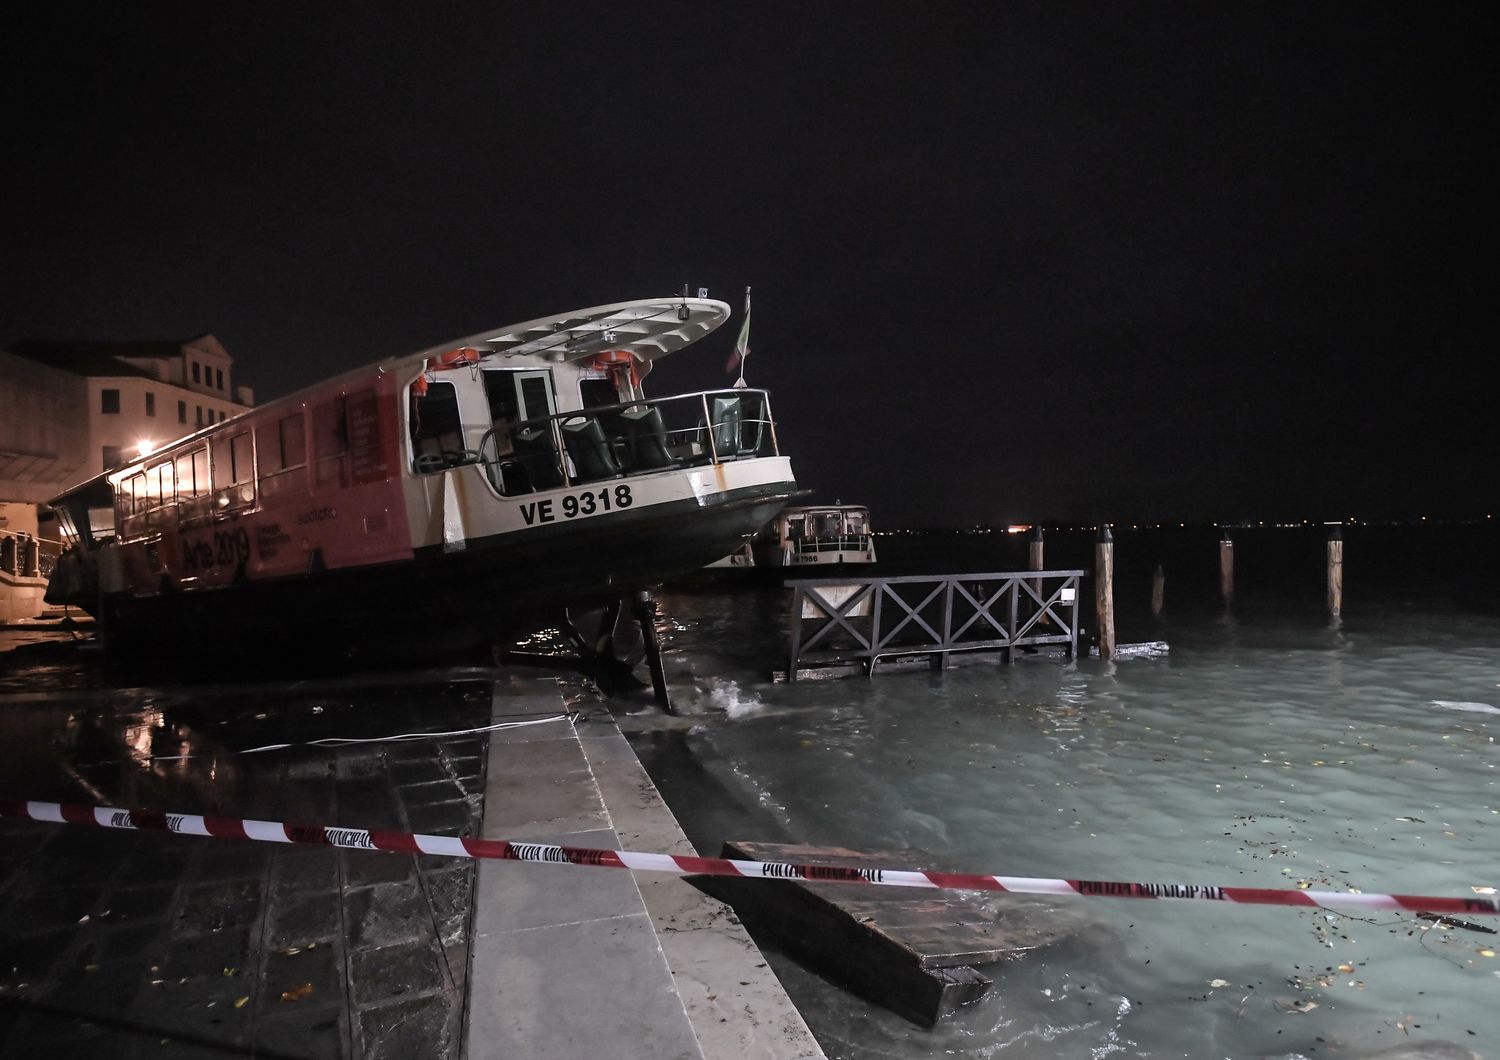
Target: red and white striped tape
459 847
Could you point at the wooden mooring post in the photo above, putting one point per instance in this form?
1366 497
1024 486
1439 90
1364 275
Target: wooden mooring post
1335 572
645 613
1034 560
1226 568
1158 591
1104 590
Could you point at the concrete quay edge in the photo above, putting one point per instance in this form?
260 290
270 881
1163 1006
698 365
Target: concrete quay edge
569 961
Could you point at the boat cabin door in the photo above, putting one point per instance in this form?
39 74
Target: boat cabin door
514 397
527 454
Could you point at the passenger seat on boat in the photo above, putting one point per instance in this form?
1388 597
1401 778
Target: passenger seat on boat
725 416
538 456
584 440
646 438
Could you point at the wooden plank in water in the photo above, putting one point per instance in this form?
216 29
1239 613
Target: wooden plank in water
908 949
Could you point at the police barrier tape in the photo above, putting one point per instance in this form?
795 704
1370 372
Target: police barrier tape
460 847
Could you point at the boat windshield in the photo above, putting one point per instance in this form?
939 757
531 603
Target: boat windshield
87 513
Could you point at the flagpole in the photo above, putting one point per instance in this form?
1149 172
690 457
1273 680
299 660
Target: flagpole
742 344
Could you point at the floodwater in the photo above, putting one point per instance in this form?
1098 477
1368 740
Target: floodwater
123 943
1266 748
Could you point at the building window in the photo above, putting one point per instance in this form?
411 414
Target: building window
200 414
223 416
109 401
197 372
111 456
182 412
150 403
218 379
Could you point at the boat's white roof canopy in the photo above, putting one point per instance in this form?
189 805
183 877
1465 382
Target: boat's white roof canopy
648 328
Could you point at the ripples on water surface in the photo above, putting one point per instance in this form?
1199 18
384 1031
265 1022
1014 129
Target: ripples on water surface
1265 751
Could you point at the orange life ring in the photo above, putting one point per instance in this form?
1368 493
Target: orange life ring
462 357
610 358
619 360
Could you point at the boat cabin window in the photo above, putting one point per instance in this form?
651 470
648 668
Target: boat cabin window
162 479
596 392
129 496
69 529
233 472
437 432
330 425
146 500
194 487
101 523
283 454
292 440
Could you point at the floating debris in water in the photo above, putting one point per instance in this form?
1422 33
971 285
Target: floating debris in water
1472 708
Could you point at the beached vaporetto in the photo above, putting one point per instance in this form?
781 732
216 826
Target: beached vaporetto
453 494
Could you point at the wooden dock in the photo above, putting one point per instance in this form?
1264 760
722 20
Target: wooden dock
909 949
857 619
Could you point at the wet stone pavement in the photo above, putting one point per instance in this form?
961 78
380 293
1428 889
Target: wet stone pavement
140 944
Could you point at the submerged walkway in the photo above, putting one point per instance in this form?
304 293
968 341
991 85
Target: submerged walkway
152 944
580 962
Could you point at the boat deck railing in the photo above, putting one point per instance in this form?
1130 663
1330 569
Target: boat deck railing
631 438
838 543
848 621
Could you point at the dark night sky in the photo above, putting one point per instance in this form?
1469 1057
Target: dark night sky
1011 262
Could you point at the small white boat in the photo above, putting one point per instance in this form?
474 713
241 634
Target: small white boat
817 535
